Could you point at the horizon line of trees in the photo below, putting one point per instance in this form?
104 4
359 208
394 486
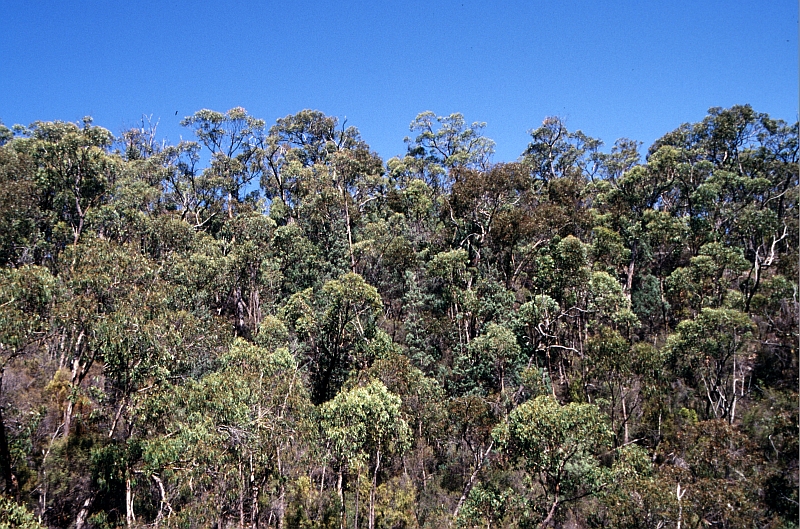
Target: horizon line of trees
274 327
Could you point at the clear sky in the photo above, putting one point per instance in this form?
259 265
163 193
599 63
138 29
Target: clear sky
634 69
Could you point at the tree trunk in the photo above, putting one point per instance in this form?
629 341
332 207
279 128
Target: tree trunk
355 515
679 495
77 230
471 482
372 492
163 501
130 517
78 372
349 233
253 497
281 490
550 514
629 279
241 495
80 520
340 491
624 419
67 418
281 505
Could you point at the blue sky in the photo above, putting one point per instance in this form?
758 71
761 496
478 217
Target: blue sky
633 69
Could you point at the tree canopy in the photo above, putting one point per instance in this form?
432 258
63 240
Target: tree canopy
271 326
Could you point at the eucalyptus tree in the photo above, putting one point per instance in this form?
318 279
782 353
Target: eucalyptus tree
251 277
555 153
559 447
107 351
492 362
536 324
707 280
452 282
197 195
709 351
444 143
422 398
620 378
234 139
26 296
334 324
326 178
294 143
485 383
482 209
486 503
22 219
560 165
734 182
364 425
75 171
230 437
6 134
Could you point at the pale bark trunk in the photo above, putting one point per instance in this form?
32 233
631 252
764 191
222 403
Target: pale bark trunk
163 502
76 230
254 509
67 418
80 520
76 377
372 492
355 515
629 279
471 482
550 514
241 495
733 401
679 495
349 234
116 417
281 506
340 491
253 497
625 420
130 517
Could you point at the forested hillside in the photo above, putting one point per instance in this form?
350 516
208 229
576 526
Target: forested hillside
271 326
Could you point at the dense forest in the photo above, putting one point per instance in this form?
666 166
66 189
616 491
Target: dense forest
271 326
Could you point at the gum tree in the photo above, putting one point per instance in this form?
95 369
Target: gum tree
364 425
559 447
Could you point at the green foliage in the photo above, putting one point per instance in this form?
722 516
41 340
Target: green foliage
73 166
364 421
445 142
559 447
396 504
14 515
609 301
270 326
25 297
492 362
707 351
485 507
333 322
608 249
